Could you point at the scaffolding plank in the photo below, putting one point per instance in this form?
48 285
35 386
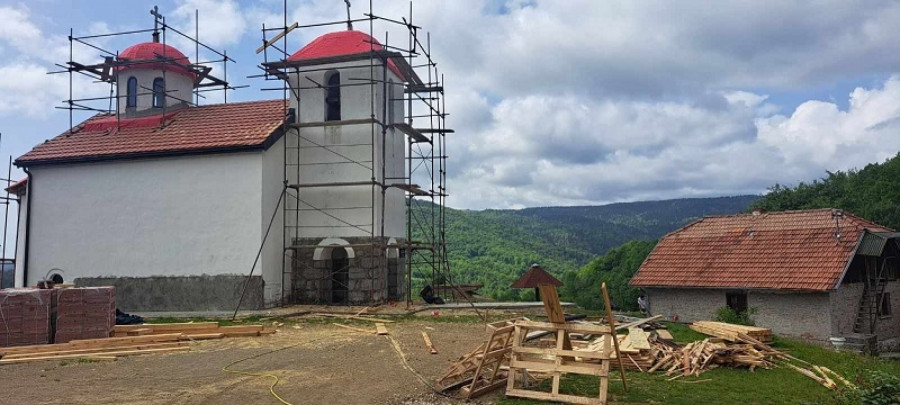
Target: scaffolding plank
424 89
435 130
276 38
413 133
411 188
334 184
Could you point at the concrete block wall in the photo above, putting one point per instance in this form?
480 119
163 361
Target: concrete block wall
844 303
801 315
188 293
889 326
804 315
689 304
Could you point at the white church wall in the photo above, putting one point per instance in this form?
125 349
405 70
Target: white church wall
20 241
272 254
178 87
178 216
344 153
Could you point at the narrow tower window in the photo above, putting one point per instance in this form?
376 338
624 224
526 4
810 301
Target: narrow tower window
131 93
333 97
159 92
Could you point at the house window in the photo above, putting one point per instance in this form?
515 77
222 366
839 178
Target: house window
131 93
333 97
737 301
884 308
159 92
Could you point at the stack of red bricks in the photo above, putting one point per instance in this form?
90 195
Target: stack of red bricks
85 313
25 316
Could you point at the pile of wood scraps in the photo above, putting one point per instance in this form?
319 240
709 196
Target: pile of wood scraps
192 330
96 349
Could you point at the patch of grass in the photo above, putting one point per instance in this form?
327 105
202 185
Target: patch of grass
780 385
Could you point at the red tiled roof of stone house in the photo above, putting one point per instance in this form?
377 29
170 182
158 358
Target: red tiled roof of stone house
792 250
210 128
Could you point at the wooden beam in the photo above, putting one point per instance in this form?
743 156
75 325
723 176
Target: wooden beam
612 323
276 38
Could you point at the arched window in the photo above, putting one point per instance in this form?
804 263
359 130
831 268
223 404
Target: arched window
131 93
159 92
333 97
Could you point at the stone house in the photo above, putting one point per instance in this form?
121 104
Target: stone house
813 274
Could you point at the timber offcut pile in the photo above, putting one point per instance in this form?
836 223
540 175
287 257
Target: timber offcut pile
192 330
731 332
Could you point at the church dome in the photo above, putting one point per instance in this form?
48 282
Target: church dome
341 43
155 54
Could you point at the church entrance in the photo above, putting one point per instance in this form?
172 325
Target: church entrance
340 276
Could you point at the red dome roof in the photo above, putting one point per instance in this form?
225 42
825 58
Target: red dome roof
150 51
341 43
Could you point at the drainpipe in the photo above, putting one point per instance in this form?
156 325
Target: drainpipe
29 194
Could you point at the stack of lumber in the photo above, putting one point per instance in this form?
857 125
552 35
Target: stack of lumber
25 316
730 332
96 349
192 330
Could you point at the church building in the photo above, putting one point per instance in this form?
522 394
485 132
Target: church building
174 203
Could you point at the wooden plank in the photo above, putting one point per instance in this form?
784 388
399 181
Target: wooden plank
546 396
90 343
361 330
247 333
358 318
96 350
638 339
552 367
203 336
75 356
570 327
612 322
551 303
561 352
380 329
428 343
664 334
239 328
276 38
168 327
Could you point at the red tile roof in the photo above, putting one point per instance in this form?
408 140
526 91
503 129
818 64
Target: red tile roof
342 43
15 187
217 127
793 250
534 277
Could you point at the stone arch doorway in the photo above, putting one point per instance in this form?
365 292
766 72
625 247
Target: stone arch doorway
340 276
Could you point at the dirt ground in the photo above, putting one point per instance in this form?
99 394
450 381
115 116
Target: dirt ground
315 364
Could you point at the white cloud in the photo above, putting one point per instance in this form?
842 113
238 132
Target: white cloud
222 22
571 150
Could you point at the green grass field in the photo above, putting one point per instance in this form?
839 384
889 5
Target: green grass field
726 385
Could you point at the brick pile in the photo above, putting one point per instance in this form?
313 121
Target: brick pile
85 313
25 316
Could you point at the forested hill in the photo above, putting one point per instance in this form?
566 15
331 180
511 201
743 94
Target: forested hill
872 192
493 247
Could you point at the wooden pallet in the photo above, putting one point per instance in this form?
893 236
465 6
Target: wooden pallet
479 371
557 361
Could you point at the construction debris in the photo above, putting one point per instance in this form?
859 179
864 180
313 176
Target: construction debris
428 343
380 329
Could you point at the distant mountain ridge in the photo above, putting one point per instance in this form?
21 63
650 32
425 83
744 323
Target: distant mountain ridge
493 247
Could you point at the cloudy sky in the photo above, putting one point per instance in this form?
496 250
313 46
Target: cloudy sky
556 102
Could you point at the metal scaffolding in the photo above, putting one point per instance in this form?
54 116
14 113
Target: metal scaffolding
107 70
422 182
